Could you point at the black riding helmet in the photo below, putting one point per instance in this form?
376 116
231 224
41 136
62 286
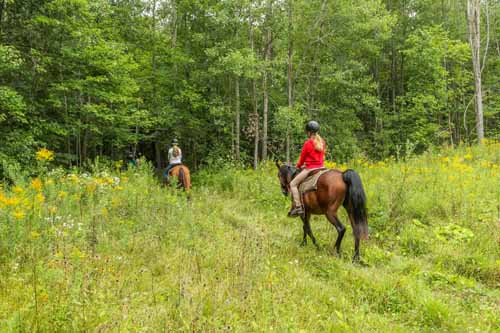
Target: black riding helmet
175 142
312 126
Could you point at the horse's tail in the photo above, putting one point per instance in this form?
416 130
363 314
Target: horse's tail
184 178
356 200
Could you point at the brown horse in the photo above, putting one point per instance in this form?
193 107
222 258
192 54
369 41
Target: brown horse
334 188
183 176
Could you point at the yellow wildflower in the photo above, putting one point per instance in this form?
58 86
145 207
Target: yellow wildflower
91 187
76 253
40 198
52 210
74 178
44 155
62 194
19 215
105 212
35 235
14 201
17 189
37 184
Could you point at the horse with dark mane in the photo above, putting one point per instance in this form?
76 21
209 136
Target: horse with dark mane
334 189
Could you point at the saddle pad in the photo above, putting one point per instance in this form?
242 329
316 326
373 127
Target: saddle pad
311 182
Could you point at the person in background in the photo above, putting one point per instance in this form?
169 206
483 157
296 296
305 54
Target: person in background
131 161
174 158
312 157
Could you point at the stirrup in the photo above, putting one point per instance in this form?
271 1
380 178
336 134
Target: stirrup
296 211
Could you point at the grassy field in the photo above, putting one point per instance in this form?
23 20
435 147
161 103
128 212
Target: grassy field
114 251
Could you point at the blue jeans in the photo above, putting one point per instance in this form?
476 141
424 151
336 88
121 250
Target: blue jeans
168 168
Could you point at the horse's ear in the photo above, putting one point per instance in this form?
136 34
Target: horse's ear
277 164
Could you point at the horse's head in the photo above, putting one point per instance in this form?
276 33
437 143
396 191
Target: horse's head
285 175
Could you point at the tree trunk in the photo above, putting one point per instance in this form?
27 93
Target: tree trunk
237 120
473 23
267 57
85 145
154 95
265 107
256 119
289 75
174 24
158 154
256 126
2 10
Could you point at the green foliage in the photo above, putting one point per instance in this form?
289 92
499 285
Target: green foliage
103 78
436 79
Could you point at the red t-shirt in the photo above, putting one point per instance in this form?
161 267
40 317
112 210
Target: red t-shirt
310 156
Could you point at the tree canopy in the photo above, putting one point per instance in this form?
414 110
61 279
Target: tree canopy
236 79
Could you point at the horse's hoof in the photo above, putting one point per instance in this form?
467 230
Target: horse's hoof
303 243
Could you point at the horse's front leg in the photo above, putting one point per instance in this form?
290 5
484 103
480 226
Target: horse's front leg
307 228
305 223
304 228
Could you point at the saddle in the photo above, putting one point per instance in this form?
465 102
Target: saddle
311 182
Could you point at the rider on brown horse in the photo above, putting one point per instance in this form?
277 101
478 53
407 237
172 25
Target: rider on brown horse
334 189
312 156
174 158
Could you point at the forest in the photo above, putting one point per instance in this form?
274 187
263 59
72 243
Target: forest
235 80
94 92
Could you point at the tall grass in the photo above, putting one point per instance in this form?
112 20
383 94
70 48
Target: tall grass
115 251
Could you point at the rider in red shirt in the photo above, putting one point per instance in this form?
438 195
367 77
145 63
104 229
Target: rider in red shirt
312 156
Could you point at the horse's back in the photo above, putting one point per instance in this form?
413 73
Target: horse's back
331 189
183 174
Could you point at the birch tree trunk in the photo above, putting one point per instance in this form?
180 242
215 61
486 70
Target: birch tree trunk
256 119
265 110
474 27
154 94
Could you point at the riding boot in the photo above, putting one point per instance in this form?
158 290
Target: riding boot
296 211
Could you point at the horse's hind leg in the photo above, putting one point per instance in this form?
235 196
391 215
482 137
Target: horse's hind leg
355 258
331 215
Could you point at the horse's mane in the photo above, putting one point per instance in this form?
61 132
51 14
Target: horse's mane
293 171
289 171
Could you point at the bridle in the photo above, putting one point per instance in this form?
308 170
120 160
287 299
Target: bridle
290 175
